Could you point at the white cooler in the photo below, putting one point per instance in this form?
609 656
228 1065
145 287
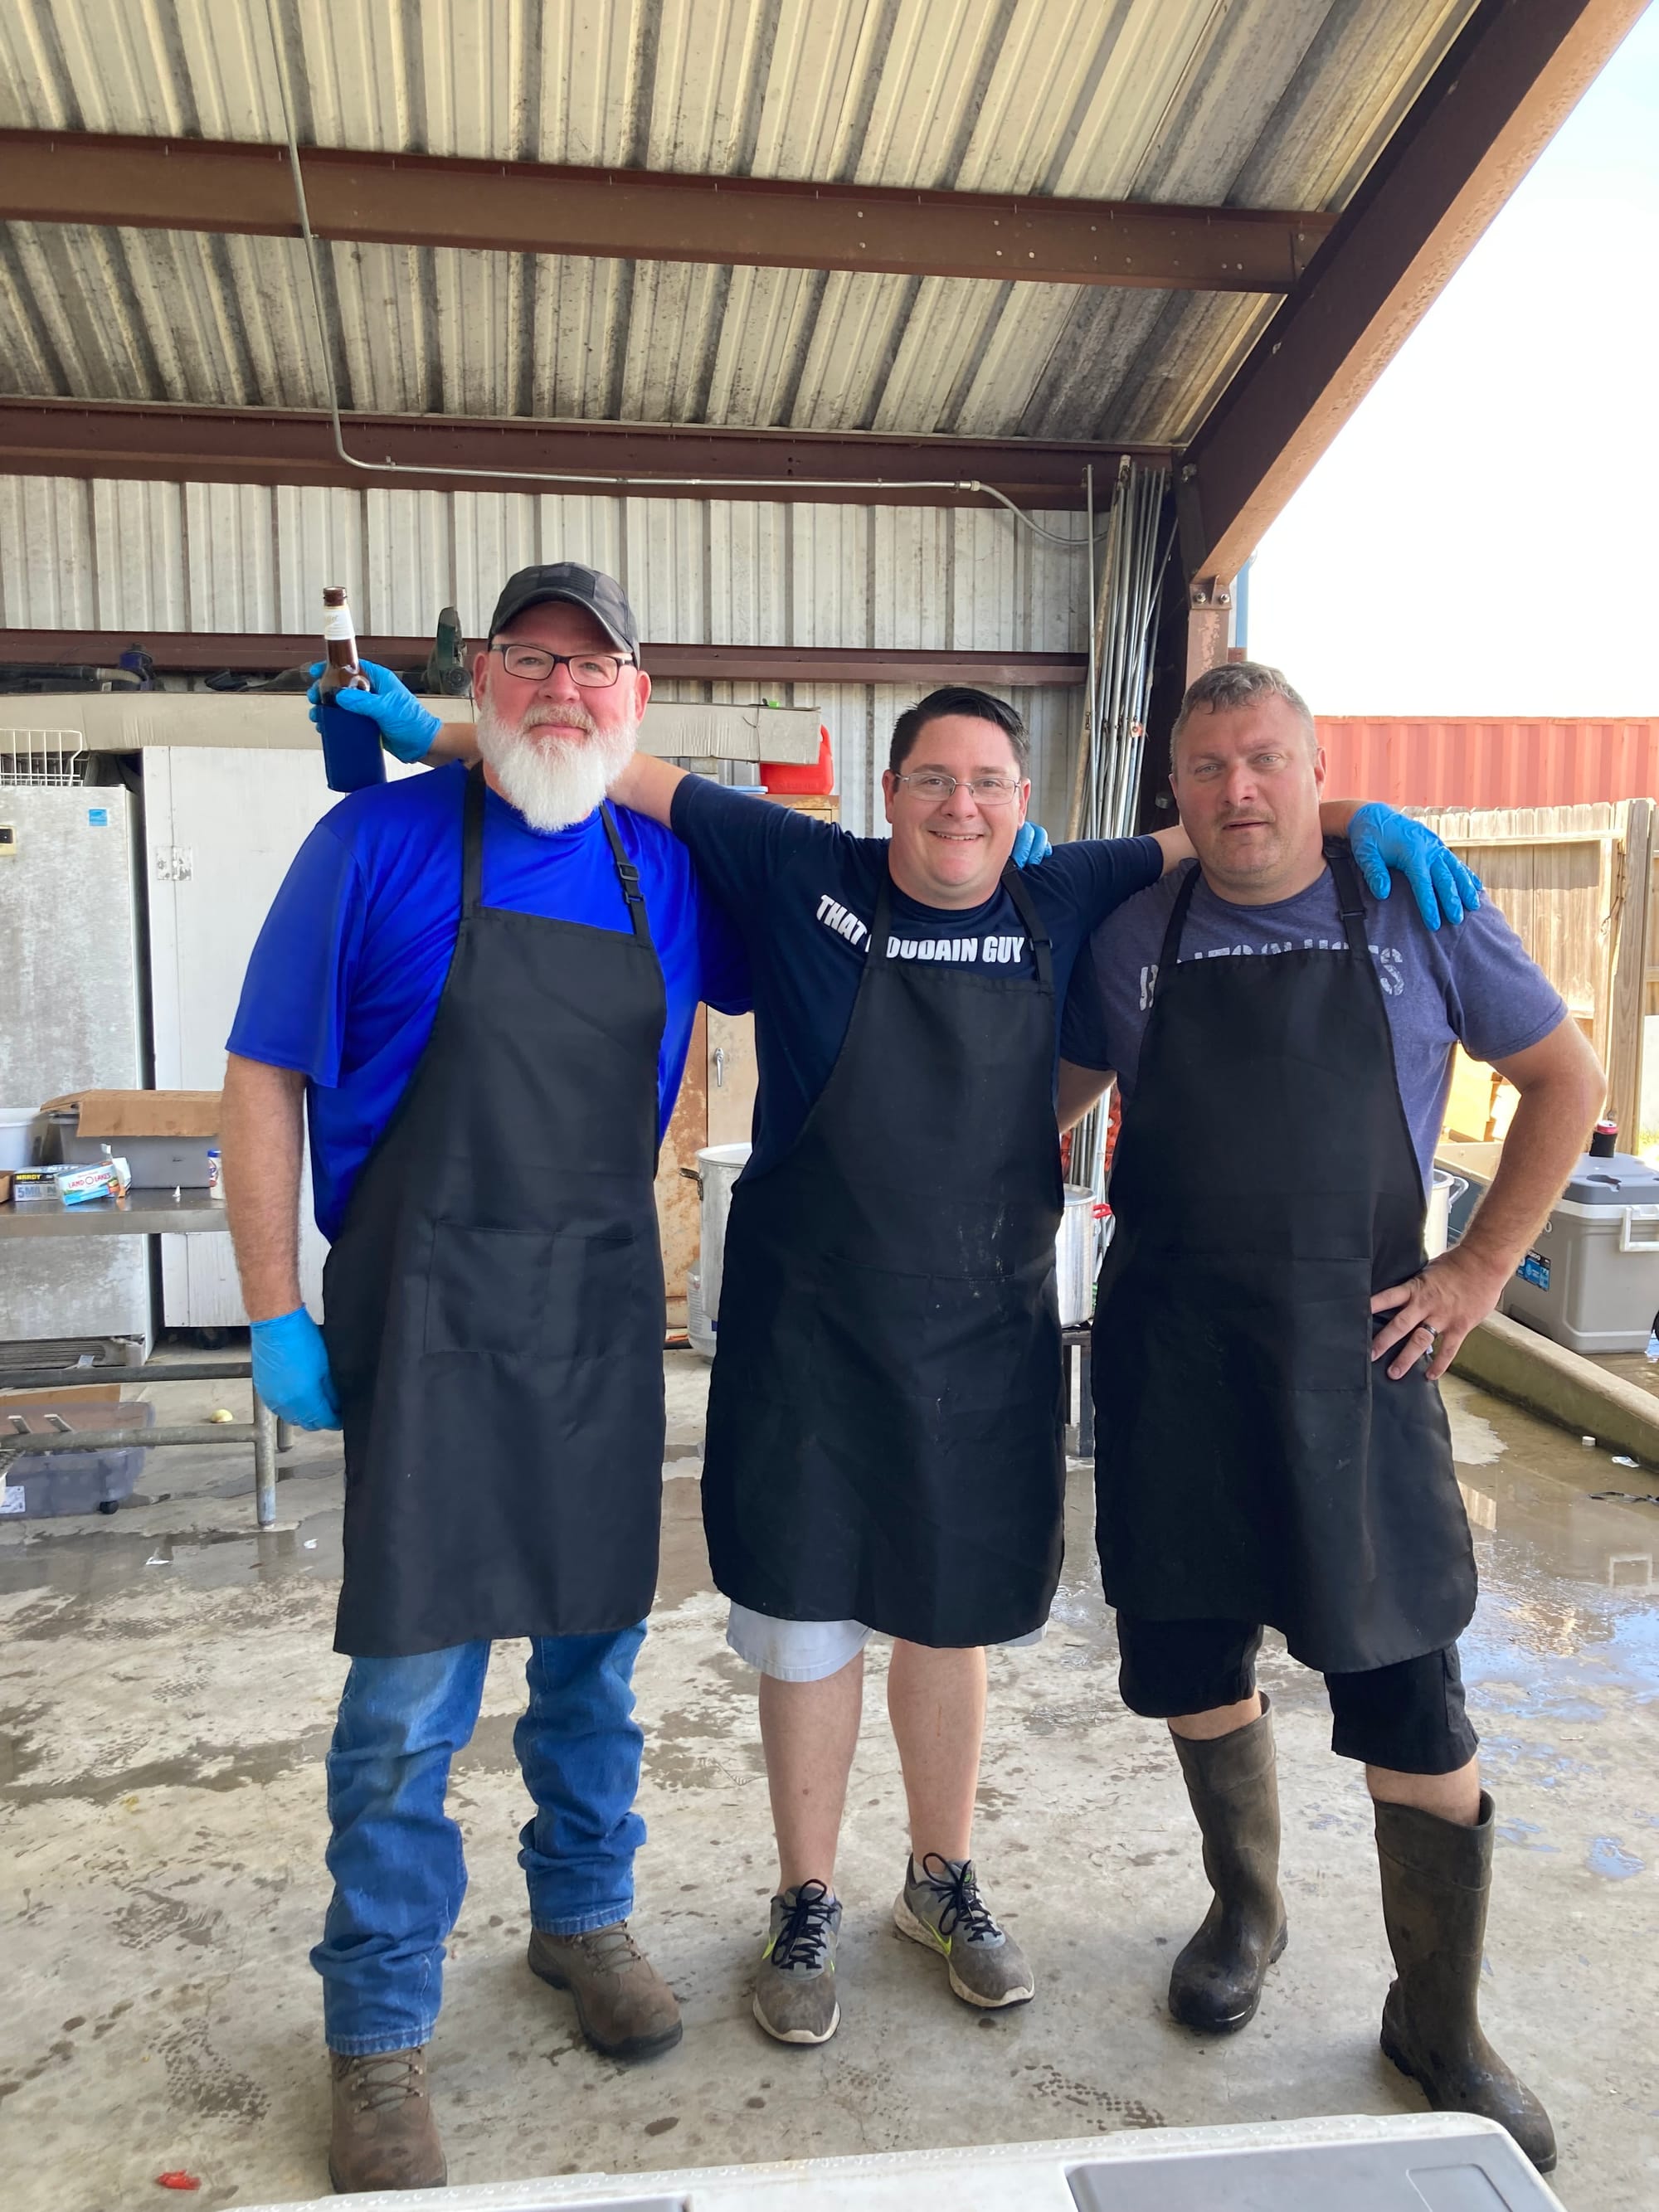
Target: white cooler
1590 1279
1409 2162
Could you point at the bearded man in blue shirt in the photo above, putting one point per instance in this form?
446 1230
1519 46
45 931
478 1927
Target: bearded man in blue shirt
481 983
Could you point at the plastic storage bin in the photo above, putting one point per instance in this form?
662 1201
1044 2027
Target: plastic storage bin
1590 1279
42 1486
157 1163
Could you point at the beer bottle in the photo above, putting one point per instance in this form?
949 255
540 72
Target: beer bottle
352 758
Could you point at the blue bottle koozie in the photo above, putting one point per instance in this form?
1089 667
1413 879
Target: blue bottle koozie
352 754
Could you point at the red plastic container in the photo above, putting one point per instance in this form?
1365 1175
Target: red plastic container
792 776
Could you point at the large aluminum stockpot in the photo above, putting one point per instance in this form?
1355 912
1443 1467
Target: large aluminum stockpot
717 1170
1076 1248
1445 1191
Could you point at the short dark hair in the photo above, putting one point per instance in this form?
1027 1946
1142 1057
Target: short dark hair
957 699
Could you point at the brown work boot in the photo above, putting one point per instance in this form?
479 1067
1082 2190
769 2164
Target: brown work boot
1437 1875
383 2135
1232 1782
623 2006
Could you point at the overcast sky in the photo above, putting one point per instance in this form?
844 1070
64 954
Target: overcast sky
1481 538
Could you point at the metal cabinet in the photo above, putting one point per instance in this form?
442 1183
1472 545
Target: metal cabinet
69 1020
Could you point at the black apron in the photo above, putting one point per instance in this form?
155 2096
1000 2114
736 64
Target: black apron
1251 1462
885 1415
494 1304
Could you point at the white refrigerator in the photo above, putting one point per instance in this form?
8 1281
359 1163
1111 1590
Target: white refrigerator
70 1018
221 824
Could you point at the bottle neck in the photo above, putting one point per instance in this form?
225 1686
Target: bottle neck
339 637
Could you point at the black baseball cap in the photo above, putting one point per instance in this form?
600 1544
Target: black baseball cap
601 595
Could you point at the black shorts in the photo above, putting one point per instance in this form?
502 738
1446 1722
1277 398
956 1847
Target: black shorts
1409 1717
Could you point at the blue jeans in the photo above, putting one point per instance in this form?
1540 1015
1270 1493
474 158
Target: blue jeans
395 1855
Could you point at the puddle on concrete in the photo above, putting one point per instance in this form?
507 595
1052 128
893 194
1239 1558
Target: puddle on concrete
72 1560
1569 1609
1608 1857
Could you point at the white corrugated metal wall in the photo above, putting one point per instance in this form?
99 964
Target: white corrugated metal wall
163 556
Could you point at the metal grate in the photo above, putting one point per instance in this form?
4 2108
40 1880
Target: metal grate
52 758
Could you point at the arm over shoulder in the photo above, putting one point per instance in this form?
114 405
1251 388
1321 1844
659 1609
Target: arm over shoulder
741 843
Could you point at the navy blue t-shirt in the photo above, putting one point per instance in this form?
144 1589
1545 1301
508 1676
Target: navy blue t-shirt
345 978
803 895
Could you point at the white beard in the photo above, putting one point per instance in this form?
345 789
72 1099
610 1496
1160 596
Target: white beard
553 779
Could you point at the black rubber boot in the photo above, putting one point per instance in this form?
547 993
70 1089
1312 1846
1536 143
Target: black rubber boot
1437 1875
1233 1784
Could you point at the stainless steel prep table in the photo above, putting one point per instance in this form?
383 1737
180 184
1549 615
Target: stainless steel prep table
143 1213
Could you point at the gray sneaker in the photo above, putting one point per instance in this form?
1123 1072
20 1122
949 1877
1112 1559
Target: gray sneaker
795 1996
941 1908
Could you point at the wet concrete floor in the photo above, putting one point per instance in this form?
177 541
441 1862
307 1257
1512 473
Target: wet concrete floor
167 1689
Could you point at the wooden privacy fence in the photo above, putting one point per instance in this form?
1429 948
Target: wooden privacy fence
1576 884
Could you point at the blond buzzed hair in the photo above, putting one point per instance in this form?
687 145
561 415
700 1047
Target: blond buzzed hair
1237 683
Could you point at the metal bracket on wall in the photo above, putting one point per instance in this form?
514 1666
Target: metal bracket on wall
1209 618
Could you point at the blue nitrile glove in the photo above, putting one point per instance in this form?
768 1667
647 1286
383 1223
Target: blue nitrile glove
291 1370
407 728
1383 840
1030 845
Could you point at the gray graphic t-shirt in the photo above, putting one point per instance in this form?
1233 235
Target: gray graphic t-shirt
1473 985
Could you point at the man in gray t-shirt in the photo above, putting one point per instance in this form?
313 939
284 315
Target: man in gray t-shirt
1472 986
1270 1447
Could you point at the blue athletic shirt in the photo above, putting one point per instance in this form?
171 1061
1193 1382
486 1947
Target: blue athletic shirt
345 978
803 895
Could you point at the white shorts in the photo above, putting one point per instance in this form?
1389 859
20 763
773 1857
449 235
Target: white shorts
808 1650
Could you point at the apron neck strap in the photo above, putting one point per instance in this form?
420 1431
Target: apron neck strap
1339 858
882 918
1042 952
472 820
626 873
1041 949
1169 952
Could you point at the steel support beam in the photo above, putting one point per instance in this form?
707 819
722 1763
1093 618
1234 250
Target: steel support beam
199 652
1209 618
1509 79
530 207
269 445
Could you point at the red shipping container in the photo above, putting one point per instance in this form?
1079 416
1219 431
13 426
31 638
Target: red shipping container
1474 762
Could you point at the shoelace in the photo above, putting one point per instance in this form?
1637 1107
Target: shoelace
805 1936
609 1950
384 2079
961 1909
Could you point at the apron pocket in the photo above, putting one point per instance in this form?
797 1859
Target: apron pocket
487 1288
597 1290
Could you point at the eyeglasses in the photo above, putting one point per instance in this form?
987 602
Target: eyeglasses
589 671
989 790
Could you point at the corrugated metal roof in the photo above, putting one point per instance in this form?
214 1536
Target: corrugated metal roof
1250 102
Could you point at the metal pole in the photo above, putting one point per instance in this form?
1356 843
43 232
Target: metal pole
265 1462
284 1435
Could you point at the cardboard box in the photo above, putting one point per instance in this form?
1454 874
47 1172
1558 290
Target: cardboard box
165 1135
105 1113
